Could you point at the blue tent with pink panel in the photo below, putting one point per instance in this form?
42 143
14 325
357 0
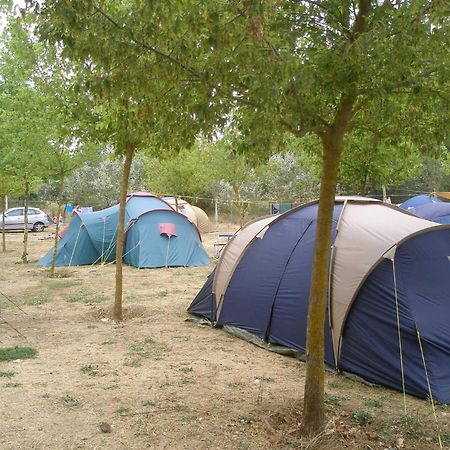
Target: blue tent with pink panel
155 236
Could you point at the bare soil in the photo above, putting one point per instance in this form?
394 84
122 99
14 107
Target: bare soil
159 381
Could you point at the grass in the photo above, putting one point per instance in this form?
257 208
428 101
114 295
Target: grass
362 417
90 369
410 426
70 402
181 407
188 417
12 385
149 403
136 352
247 418
85 297
266 379
12 353
158 349
185 380
138 349
60 283
234 384
61 273
122 410
373 403
35 300
136 362
330 399
186 369
6 374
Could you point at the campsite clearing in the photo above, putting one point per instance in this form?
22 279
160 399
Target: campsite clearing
158 381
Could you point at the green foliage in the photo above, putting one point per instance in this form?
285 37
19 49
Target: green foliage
85 297
373 403
150 403
55 283
11 353
96 183
6 373
274 65
368 160
122 410
331 399
247 418
70 402
216 169
36 299
90 369
362 417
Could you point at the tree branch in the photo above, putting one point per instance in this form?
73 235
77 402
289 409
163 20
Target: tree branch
144 45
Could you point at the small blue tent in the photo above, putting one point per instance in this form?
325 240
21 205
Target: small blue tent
388 302
420 200
155 236
437 212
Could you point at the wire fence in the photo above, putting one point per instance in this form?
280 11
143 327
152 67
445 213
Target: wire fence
230 210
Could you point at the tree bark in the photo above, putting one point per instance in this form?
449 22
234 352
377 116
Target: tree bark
216 212
332 141
118 311
3 223
239 203
25 231
314 409
55 242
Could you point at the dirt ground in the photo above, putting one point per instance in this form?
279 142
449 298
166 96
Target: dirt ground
158 381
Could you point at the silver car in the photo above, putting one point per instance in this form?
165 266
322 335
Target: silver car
15 219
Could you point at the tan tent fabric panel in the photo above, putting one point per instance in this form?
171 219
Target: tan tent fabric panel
183 207
445 195
366 231
203 223
232 253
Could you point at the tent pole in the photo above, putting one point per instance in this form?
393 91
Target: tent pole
167 253
430 393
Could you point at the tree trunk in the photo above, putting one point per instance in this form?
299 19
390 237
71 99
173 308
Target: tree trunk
314 408
5 202
362 188
216 212
118 312
332 141
25 231
55 242
239 203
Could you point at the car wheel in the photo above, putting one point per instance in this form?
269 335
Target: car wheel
38 226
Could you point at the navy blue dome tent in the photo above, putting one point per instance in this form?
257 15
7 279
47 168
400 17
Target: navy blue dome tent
420 200
155 236
388 299
437 212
